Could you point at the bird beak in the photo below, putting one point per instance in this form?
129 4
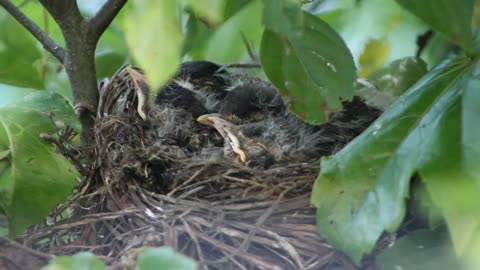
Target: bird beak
207 120
227 130
141 90
135 74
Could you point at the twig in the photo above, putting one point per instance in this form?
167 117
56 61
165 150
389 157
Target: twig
67 153
4 241
48 43
249 48
105 16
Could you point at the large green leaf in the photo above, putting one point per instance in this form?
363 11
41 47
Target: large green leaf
79 261
33 176
164 258
452 18
18 53
313 69
452 174
361 191
154 38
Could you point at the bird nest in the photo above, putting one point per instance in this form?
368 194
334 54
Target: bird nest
147 189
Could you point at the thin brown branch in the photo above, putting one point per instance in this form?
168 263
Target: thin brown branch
67 153
105 16
49 44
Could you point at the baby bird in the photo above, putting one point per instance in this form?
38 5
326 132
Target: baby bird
251 119
285 137
197 87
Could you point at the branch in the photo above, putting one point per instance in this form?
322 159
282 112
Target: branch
105 16
48 43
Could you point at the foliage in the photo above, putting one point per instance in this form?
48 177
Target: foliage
149 259
313 78
430 131
421 250
164 258
17 53
33 176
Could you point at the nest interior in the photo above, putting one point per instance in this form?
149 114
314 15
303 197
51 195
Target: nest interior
161 178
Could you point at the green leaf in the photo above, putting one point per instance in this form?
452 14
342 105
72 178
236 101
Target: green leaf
164 258
35 177
313 70
282 16
18 53
154 39
196 33
233 6
10 93
392 81
361 191
421 250
452 175
452 18
211 11
79 261
50 105
224 44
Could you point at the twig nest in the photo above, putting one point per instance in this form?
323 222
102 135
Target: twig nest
163 178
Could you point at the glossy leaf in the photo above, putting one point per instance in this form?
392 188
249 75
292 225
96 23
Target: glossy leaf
164 258
18 53
35 177
79 261
361 191
421 250
156 49
453 179
452 18
313 70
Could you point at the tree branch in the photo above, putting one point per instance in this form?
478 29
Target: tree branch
48 43
105 16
